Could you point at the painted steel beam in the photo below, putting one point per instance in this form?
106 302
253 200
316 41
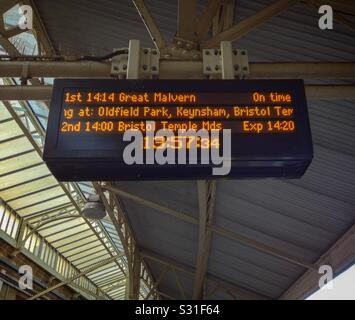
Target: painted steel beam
6 5
329 92
7 45
205 21
13 32
118 217
340 256
77 276
40 29
186 19
242 28
206 203
150 24
245 293
225 18
181 70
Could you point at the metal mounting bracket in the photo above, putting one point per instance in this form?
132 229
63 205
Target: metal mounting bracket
226 61
119 64
138 63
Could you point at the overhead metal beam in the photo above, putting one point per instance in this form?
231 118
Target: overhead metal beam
228 14
247 25
300 70
330 92
206 201
156 284
46 267
6 5
7 45
181 70
12 32
79 275
339 256
239 290
179 284
40 30
43 93
224 19
186 19
205 21
118 217
221 231
150 24
167 296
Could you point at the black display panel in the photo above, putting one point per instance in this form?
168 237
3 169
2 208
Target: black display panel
267 121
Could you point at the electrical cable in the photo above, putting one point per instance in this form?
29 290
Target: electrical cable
64 58
105 57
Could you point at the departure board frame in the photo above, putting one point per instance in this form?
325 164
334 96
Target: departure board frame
278 154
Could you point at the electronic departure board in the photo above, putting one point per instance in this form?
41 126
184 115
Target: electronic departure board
109 129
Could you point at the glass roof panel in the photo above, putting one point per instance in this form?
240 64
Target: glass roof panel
9 130
63 232
23 176
63 241
4 114
83 251
12 148
73 244
32 198
26 188
44 206
18 162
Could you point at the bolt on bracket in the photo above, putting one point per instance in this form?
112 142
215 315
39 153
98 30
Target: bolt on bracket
148 63
214 64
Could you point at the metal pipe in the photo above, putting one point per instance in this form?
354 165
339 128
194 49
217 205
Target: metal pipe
170 69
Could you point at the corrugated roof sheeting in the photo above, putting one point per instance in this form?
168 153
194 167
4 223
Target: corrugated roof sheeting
167 236
249 268
180 195
292 36
300 217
